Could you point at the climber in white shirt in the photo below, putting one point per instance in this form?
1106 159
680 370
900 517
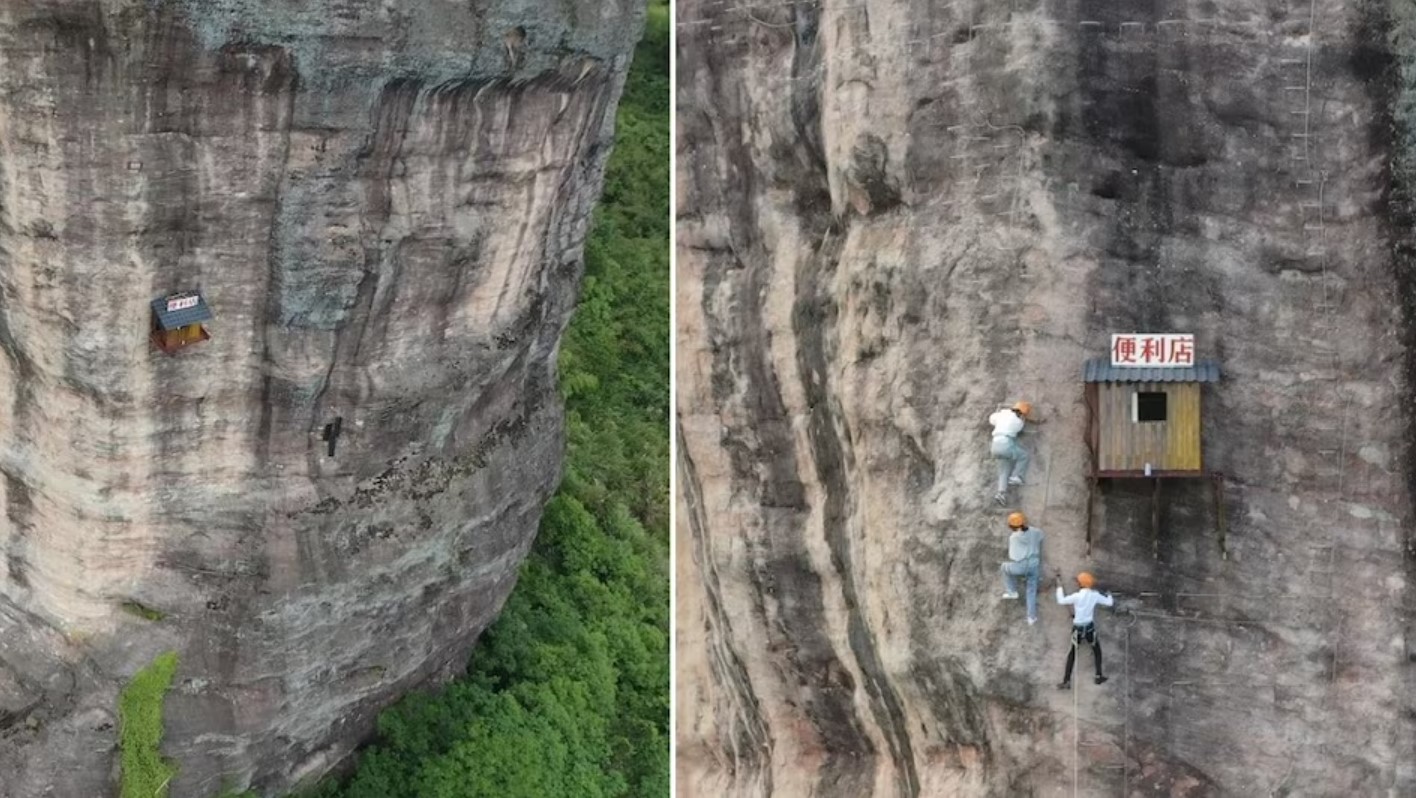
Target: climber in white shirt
1012 458
1084 603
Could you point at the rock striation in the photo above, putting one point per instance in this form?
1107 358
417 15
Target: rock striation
894 215
383 202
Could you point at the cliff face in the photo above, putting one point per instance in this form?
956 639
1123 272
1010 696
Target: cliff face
894 215
384 204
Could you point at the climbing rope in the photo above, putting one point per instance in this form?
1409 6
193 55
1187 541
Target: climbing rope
1076 725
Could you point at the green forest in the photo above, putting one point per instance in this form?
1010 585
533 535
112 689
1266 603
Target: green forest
567 694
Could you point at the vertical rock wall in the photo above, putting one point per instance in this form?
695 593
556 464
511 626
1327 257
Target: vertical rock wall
895 215
384 204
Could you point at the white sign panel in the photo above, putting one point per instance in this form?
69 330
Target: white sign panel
182 302
1162 350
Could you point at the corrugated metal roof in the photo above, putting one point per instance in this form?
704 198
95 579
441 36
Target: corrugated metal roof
1099 369
180 318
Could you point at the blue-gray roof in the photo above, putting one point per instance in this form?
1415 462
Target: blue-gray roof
1099 369
180 318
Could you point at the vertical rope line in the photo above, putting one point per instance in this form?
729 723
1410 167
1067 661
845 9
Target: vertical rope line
1076 729
1126 713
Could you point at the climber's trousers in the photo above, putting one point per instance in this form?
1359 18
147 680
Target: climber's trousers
1012 460
1082 634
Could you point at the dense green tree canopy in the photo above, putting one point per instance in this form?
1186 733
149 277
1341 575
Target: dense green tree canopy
568 693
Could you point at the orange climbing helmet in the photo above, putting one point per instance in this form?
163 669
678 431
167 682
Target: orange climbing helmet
1017 521
1023 408
1085 579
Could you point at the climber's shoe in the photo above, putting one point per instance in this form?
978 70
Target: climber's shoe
1100 679
1000 499
1064 686
1014 481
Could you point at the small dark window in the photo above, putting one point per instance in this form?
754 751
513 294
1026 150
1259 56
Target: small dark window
1150 407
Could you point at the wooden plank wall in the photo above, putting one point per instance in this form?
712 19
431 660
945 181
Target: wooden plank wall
1183 448
1172 445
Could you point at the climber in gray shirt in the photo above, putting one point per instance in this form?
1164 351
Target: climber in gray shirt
1024 559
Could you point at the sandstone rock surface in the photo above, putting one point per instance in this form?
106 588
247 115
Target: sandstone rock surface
894 215
383 202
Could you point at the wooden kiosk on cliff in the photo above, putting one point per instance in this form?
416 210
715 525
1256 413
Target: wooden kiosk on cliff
177 321
1144 420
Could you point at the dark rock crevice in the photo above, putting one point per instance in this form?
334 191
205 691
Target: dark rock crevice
754 737
813 319
813 323
787 592
1386 57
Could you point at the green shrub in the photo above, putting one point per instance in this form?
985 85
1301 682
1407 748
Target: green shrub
143 611
145 773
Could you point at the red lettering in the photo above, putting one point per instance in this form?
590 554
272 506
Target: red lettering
1153 350
1183 352
1125 350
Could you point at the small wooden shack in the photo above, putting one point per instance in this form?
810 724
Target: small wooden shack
1144 422
177 321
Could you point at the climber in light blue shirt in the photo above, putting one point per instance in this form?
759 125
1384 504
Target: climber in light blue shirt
1024 559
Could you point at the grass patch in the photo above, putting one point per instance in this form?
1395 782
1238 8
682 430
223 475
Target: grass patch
143 611
145 773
